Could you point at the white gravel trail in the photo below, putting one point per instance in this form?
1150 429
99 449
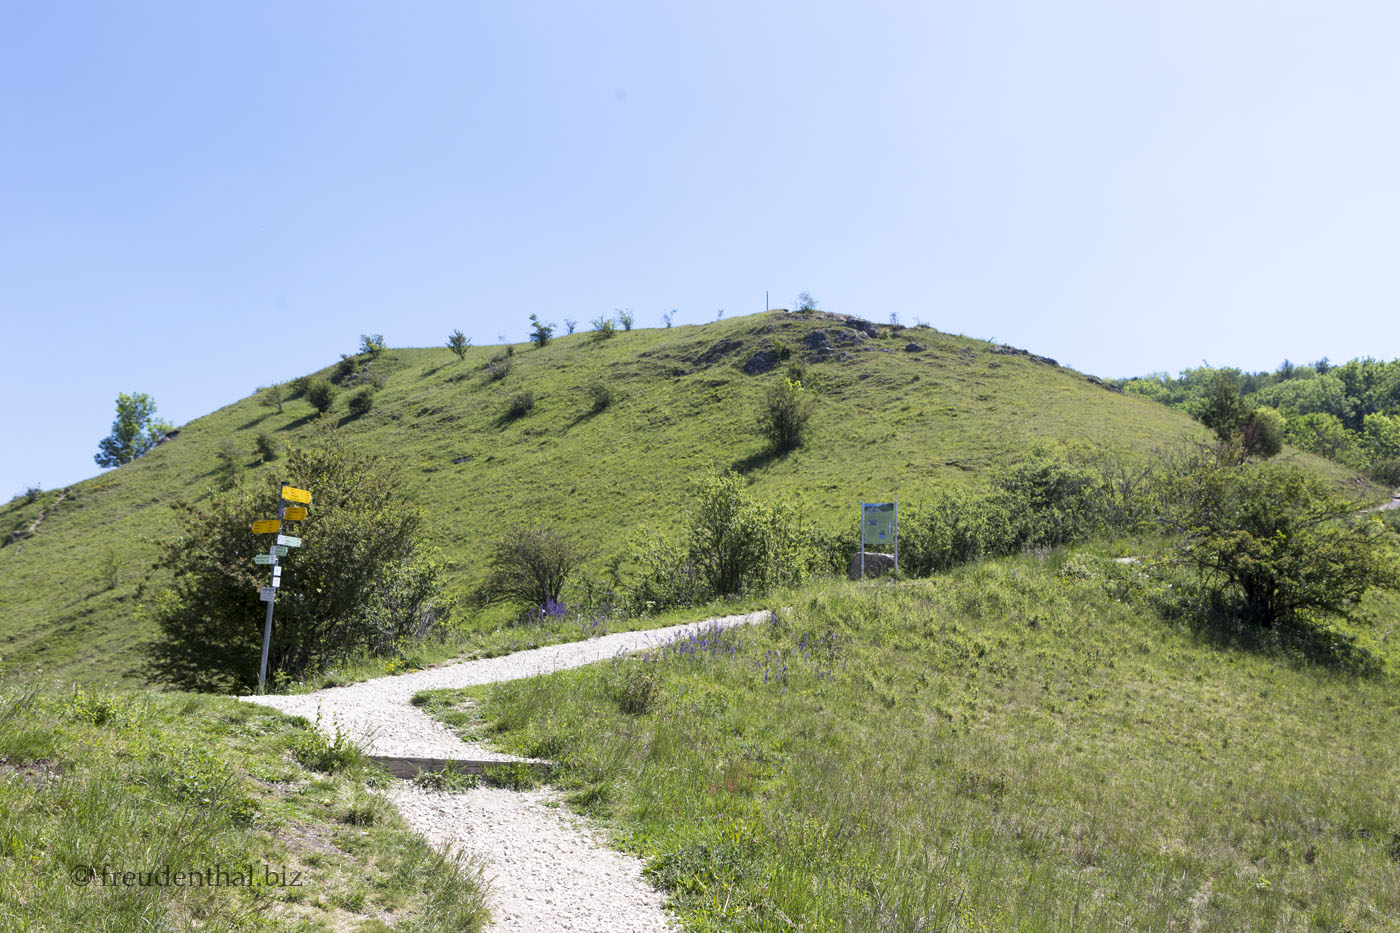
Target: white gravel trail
545 870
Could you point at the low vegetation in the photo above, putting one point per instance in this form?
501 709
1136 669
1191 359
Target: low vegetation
1018 744
111 803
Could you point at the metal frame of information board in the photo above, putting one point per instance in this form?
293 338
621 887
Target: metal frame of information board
894 527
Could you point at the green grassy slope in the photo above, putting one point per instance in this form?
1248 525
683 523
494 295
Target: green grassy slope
890 423
1013 745
111 803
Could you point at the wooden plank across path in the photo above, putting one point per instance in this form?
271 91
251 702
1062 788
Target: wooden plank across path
411 767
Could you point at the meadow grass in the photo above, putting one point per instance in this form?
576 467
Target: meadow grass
888 423
98 784
1013 745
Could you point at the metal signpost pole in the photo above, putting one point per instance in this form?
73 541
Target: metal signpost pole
894 528
862 540
267 625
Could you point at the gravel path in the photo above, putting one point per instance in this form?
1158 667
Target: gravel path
544 869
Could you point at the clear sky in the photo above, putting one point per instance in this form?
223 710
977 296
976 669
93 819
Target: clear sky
200 198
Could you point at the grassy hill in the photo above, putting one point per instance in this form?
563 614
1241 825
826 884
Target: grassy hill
900 412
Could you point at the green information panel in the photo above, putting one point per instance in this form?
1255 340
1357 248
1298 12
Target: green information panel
879 528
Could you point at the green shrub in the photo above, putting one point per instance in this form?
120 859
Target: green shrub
1278 542
731 545
1386 471
372 345
458 343
530 566
603 327
313 750
266 447
540 332
361 402
362 581
499 367
298 386
1262 434
344 368
635 686
600 396
519 405
271 397
624 317
321 395
783 418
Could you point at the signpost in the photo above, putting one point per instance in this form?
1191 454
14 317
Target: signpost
279 548
879 523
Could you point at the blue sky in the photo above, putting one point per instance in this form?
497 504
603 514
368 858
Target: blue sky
200 198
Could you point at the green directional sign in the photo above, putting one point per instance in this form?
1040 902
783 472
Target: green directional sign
262 558
280 550
288 541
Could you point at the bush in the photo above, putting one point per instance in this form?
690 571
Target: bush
298 386
271 397
321 395
344 368
1274 539
313 750
1383 471
1262 434
266 447
805 302
600 396
530 566
540 331
570 325
1048 501
519 405
603 327
361 402
783 418
372 345
498 368
458 343
362 581
634 686
624 317
732 545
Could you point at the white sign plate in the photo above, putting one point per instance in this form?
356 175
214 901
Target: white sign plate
288 541
267 593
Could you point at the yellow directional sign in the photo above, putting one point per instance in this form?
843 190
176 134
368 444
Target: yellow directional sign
267 526
295 513
293 494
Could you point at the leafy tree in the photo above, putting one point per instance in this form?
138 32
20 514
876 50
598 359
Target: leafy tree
1223 410
372 345
321 395
1320 433
530 566
1275 538
271 397
1262 434
458 343
569 325
603 327
787 407
1382 436
135 431
362 581
624 317
805 302
266 447
540 331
